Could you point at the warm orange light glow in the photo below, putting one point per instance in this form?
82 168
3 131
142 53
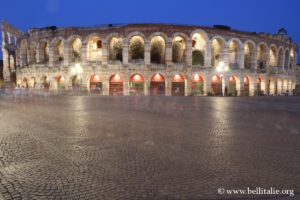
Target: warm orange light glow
215 78
95 78
246 80
158 78
116 78
137 78
178 78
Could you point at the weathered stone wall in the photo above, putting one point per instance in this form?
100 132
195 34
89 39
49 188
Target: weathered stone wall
112 56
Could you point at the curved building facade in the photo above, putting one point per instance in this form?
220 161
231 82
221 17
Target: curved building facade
150 59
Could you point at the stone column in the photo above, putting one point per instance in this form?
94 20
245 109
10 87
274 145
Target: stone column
207 58
104 53
241 58
240 86
147 54
254 59
168 56
225 54
189 49
84 52
126 86
105 85
6 70
51 56
187 86
125 53
66 54
147 87
168 88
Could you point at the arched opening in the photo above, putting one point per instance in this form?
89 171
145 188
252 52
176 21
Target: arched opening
286 59
260 91
46 52
281 58
96 84
32 82
158 50
45 82
25 83
178 85
59 51
136 85
285 86
271 89
178 50
115 49
292 60
216 85
273 57
76 50
246 86
197 87
76 82
198 49
116 85
32 53
60 82
249 54
94 49
232 89
157 85
262 57
24 53
136 48
216 51
279 86
233 54
13 77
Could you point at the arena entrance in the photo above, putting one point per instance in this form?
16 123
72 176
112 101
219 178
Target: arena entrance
216 85
45 83
197 86
95 85
246 86
232 86
116 85
60 82
178 85
76 82
136 85
157 85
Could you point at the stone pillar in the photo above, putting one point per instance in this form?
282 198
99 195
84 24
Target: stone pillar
51 56
225 54
84 52
225 81
104 53
189 52
66 54
168 56
207 58
240 86
125 53
241 58
187 86
147 87
252 85
254 59
105 87
168 88
6 70
126 86
147 55
207 84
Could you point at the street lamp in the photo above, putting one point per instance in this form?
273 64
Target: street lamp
221 67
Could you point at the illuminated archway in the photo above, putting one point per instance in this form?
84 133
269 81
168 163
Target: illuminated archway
158 46
199 45
216 85
25 83
76 82
279 86
136 48
60 82
246 86
217 51
94 49
115 85
75 50
178 85
178 49
115 49
157 85
273 56
136 85
232 88
249 55
262 57
45 82
95 84
259 87
197 87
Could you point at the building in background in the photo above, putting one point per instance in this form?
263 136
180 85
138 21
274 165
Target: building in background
150 59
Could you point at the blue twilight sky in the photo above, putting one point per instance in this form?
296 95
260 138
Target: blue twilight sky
254 16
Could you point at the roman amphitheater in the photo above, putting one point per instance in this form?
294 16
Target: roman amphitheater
150 59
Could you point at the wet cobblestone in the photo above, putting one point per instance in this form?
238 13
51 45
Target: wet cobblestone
89 147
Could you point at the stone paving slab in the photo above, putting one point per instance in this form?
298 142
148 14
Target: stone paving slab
93 147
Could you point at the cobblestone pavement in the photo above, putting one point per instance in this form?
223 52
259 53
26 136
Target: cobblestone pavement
136 148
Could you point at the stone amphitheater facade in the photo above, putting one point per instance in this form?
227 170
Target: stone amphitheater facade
150 59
